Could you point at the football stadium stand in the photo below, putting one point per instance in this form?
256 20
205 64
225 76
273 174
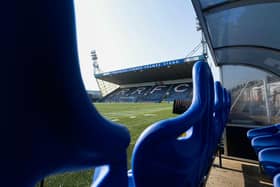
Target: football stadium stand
157 93
165 81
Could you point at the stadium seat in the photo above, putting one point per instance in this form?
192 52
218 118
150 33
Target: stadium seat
276 180
218 110
215 131
222 106
268 130
265 141
269 160
221 111
160 158
51 124
228 106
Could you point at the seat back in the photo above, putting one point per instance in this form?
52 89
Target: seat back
269 160
263 131
218 111
265 141
215 130
225 106
276 180
228 104
221 111
160 158
52 125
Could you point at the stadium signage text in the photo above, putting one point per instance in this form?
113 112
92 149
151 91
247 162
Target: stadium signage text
151 66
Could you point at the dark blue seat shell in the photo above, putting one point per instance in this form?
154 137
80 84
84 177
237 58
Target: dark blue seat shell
52 124
265 141
160 158
219 106
268 130
270 160
216 129
227 105
221 111
276 180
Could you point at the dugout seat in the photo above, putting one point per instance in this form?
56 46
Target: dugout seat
221 111
269 160
221 118
219 106
160 158
51 125
214 132
266 141
268 130
227 105
276 180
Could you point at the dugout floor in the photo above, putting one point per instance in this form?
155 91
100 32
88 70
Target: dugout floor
236 174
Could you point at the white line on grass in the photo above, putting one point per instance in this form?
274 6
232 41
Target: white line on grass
115 120
149 114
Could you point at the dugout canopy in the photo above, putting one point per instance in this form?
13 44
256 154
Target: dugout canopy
243 32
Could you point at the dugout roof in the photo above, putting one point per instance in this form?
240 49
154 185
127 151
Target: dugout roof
169 70
243 32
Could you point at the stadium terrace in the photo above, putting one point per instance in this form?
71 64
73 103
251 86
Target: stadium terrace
165 81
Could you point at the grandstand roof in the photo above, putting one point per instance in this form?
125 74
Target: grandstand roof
168 70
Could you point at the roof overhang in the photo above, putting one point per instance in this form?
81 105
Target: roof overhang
242 32
168 70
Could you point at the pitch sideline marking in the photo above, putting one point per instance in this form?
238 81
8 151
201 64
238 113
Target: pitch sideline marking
115 119
149 115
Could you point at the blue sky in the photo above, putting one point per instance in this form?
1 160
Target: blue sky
128 33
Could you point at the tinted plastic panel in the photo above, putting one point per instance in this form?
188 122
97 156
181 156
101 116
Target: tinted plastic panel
260 57
249 25
247 86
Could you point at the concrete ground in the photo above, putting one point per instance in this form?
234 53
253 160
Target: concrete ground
236 174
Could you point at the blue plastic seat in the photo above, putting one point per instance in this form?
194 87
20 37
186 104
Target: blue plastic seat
222 108
215 131
52 126
269 159
160 158
266 141
227 105
218 111
276 180
268 130
221 112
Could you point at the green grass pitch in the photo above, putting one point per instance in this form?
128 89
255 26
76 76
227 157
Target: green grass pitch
135 116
